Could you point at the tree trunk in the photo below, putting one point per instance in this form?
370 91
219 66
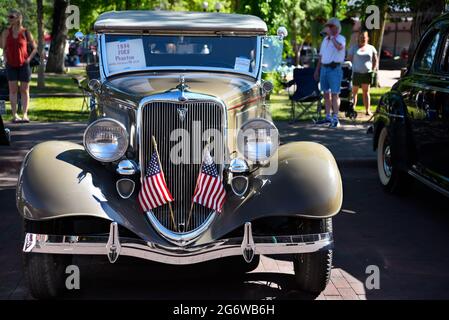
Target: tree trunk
425 11
377 35
55 61
40 44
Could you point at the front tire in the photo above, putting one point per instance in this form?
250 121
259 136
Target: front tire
313 270
392 179
45 273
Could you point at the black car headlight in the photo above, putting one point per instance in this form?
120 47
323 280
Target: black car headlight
106 140
258 140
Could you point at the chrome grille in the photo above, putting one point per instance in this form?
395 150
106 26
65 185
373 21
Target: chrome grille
159 119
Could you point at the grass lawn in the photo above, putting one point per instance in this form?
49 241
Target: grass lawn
58 83
53 109
281 107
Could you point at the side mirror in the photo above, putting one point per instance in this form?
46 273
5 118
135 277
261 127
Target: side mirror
79 36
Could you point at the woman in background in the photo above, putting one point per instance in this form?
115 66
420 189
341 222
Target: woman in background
364 63
15 42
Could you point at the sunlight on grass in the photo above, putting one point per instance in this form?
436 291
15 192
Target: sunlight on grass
53 109
58 83
280 105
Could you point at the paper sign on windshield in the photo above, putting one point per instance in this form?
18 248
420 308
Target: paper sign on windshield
242 64
125 54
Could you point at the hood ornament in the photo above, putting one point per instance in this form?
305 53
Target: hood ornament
182 87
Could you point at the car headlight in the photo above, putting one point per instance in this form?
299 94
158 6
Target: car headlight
258 140
106 140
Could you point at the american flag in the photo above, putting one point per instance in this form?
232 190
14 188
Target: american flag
209 190
154 191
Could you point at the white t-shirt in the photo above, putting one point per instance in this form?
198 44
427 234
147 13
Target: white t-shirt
329 52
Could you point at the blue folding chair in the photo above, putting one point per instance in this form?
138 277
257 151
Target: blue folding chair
306 94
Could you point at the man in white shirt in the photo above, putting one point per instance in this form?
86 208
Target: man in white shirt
328 70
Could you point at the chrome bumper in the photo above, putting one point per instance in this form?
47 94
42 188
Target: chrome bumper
113 246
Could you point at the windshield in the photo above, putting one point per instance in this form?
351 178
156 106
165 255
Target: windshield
133 52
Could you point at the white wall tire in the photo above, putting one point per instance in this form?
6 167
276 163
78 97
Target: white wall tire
384 167
392 179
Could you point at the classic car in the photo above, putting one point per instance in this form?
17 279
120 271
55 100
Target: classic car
411 123
183 163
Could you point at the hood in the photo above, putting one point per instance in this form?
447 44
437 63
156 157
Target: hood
230 88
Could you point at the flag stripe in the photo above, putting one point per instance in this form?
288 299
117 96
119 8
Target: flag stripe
209 191
143 200
153 188
214 192
154 191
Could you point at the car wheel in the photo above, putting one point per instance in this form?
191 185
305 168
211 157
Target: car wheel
392 179
313 270
45 273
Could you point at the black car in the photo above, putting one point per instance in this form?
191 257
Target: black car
411 124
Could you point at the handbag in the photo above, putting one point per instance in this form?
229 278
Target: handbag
36 60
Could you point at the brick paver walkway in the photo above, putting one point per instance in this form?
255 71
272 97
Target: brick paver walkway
342 285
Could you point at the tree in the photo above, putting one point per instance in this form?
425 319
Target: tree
55 61
40 43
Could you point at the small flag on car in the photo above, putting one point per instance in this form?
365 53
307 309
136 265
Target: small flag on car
209 190
154 191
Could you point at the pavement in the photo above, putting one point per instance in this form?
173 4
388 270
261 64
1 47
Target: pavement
387 78
404 238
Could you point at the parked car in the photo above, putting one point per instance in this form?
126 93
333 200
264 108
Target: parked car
167 87
411 124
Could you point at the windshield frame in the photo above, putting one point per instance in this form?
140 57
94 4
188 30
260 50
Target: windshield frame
106 73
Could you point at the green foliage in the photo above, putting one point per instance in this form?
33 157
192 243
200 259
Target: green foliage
26 7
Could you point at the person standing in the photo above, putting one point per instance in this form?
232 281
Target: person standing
329 71
364 64
15 41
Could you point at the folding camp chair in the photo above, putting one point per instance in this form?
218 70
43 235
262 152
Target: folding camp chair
78 81
306 94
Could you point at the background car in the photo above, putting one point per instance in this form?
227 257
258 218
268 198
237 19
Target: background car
411 124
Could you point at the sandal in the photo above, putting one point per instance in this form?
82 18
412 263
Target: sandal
25 120
16 120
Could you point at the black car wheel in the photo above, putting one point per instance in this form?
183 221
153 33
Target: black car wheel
392 179
313 270
45 273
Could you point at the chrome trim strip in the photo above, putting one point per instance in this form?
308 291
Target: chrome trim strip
180 238
428 183
113 246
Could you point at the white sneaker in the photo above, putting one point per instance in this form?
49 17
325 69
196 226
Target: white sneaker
335 123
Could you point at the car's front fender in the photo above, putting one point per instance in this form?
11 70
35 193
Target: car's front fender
307 184
60 180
